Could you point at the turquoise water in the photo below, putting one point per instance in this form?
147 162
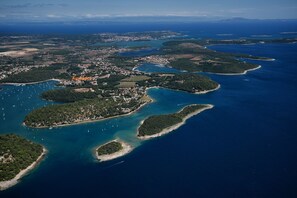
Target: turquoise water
17 101
244 147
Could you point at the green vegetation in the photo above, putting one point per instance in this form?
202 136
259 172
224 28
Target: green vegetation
206 42
131 81
16 154
136 78
126 84
92 103
122 62
62 52
249 41
224 65
112 87
109 148
111 82
68 95
188 82
192 56
155 124
80 111
34 75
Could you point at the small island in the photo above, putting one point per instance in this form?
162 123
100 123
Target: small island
158 125
112 150
18 156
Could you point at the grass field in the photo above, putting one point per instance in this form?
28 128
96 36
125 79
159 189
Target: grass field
126 84
136 78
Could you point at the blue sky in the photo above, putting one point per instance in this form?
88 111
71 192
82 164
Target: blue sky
57 10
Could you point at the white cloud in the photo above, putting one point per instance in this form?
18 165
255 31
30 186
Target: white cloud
53 16
95 15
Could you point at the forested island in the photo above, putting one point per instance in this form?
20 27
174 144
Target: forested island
112 150
158 125
17 157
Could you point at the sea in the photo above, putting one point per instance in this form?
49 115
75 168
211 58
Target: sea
245 147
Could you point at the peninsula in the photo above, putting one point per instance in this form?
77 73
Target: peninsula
193 56
18 156
88 104
96 81
158 125
112 150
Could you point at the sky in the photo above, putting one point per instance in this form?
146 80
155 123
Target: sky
59 10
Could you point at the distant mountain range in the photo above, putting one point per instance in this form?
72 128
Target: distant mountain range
144 19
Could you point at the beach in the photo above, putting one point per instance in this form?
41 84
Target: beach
125 150
174 127
235 74
206 91
31 83
9 183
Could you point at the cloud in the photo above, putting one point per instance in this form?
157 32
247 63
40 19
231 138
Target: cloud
95 15
53 16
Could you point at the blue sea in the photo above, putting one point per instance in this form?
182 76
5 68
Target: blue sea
246 146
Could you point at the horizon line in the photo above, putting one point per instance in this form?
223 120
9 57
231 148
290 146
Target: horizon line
138 19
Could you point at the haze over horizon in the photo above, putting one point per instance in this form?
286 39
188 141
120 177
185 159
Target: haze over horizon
76 10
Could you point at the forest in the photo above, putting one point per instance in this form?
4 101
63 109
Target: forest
184 82
79 111
16 153
109 148
34 75
156 123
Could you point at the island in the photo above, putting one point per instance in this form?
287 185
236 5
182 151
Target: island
158 125
18 156
112 150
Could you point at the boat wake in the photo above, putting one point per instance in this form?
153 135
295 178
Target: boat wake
118 163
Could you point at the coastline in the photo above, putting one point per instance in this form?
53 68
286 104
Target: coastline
225 74
263 59
9 183
198 92
174 127
206 91
235 74
124 151
91 121
151 100
31 83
